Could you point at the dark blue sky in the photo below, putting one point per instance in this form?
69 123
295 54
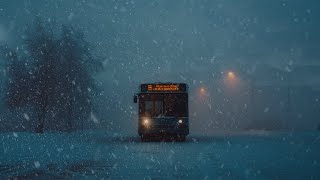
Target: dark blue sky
274 31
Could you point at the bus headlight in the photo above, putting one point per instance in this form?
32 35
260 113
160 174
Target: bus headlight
180 121
146 122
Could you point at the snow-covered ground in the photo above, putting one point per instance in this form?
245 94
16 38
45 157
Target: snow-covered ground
101 155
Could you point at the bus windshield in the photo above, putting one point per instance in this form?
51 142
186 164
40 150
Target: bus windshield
161 105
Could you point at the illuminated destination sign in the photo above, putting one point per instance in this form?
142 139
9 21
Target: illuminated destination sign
163 87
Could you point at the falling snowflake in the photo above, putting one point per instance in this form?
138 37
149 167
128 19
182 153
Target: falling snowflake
37 164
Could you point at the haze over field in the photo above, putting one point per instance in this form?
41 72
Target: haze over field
271 46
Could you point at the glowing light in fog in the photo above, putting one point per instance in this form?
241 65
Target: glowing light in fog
231 75
202 90
231 80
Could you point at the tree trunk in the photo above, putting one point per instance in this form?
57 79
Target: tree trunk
69 120
70 112
42 115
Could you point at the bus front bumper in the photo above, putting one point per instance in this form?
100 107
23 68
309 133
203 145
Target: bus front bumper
162 130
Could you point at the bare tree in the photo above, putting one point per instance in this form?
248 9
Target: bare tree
59 79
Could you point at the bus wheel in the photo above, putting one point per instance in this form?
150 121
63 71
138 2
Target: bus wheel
181 138
144 138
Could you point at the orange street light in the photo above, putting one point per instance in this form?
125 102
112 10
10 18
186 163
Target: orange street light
231 75
202 90
231 79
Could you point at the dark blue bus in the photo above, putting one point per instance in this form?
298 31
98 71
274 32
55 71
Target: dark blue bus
163 110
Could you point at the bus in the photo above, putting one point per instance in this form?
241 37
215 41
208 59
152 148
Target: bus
163 110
